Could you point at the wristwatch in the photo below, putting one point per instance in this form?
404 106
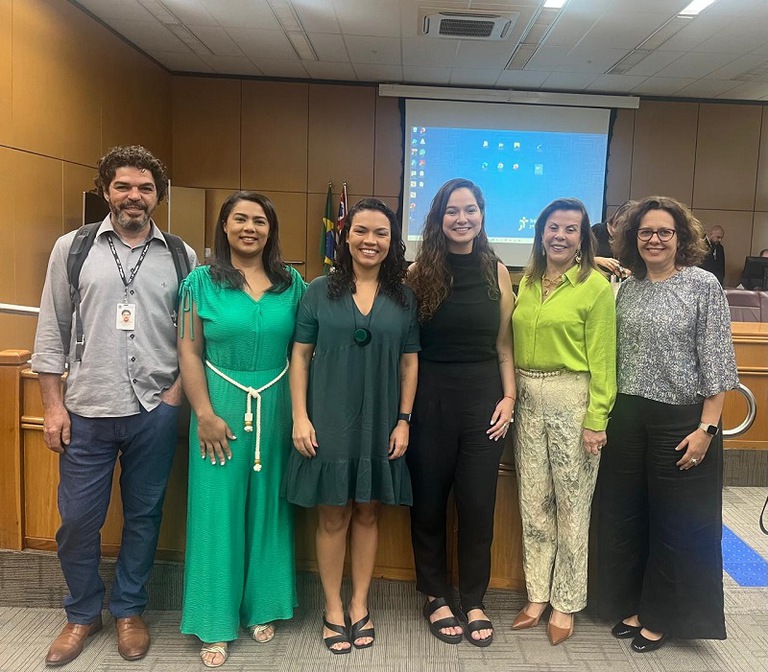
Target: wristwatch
712 430
404 416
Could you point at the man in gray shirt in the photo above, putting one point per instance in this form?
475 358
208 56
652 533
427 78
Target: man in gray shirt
121 398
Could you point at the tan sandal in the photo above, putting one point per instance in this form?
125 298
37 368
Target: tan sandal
221 650
256 630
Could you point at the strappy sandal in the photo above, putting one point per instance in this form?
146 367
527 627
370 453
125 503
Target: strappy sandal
357 631
475 626
447 622
342 637
221 650
258 629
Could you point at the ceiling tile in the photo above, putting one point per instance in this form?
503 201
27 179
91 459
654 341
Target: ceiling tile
615 84
379 73
177 62
570 28
191 12
487 55
149 36
423 51
232 65
242 13
699 29
217 40
381 18
662 86
741 36
568 81
739 66
329 47
317 16
746 91
655 61
619 30
588 59
421 74
258 44
117 9
474 77
707 88
343 71
548 58
280 67
696 64
522 79
381 50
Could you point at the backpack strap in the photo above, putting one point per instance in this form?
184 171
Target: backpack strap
179 254
78 251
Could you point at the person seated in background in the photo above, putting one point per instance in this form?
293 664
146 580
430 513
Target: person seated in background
604 232
714 261
746 281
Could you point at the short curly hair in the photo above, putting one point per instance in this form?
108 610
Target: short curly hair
134 156
691 248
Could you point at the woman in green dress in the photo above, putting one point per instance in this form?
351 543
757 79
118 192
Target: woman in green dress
353 381
237 320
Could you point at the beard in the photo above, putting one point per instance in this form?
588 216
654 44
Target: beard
126 222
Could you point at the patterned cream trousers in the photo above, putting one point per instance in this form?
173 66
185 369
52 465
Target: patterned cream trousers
556 480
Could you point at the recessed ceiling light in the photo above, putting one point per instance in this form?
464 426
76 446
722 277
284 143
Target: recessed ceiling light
554 4
696 7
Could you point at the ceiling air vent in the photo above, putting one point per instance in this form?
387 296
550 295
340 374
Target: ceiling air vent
468 25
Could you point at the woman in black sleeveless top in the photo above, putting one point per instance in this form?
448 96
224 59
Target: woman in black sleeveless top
464 405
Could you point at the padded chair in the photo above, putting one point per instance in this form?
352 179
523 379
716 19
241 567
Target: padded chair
747 306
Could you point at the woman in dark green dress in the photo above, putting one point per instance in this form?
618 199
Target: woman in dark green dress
353 380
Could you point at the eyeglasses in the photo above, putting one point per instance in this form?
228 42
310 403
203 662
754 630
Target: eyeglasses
663 234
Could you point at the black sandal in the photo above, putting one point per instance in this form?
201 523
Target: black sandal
475 626
357 631
447 622
342 637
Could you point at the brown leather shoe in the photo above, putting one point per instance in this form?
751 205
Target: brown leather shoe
70 643
524 620
132 637
558 635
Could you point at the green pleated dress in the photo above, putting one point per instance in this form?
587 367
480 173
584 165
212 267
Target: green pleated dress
353 400
239 567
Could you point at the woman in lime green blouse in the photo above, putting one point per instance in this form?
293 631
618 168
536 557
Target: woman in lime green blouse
565 353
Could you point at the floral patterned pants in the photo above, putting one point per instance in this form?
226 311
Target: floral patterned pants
556 480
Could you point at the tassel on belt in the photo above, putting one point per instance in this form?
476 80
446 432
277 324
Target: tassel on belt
251 393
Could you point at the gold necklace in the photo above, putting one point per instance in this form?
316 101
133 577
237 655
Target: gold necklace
550 285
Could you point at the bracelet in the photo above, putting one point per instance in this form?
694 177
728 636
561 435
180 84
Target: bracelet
506 396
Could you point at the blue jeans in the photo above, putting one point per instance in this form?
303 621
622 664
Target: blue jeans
145 443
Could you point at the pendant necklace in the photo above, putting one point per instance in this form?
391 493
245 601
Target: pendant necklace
362 334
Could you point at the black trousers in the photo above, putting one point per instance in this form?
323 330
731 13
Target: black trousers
449 448
659 536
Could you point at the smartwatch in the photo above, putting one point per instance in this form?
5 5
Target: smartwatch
712 430
404 416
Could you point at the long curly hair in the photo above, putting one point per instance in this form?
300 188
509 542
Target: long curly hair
537 264
392 271
221 268
691 246
133 156
431 278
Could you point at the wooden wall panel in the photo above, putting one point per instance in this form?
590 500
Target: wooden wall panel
506 551
759 233
206 132
6 72
664 150
619 166
388 154
737 241
291 211
274 136
214 199
9 324
76 179
341 137
188 217
315 211
761 191
727 156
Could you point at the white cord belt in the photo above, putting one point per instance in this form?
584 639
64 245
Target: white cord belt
249 394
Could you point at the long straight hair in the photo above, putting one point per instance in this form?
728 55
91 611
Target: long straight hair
537 264
221 267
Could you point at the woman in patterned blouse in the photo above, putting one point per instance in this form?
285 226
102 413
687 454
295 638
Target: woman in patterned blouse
660 522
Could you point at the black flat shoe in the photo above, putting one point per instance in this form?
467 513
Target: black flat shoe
342 637
642 644
356 631
623 631
447 622
475 626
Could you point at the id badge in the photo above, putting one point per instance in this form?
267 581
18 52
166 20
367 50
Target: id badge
126 316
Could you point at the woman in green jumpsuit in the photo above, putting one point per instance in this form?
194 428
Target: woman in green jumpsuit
237 321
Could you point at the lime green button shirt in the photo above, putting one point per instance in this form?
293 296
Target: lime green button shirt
574 329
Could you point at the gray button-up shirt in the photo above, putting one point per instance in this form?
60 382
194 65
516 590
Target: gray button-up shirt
120 370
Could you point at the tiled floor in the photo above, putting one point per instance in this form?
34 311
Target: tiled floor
403 643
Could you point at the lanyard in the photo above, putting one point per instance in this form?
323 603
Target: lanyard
135 269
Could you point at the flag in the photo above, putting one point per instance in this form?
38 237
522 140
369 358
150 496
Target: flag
327 236
343 209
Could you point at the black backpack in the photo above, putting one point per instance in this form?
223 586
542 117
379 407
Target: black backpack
78 251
